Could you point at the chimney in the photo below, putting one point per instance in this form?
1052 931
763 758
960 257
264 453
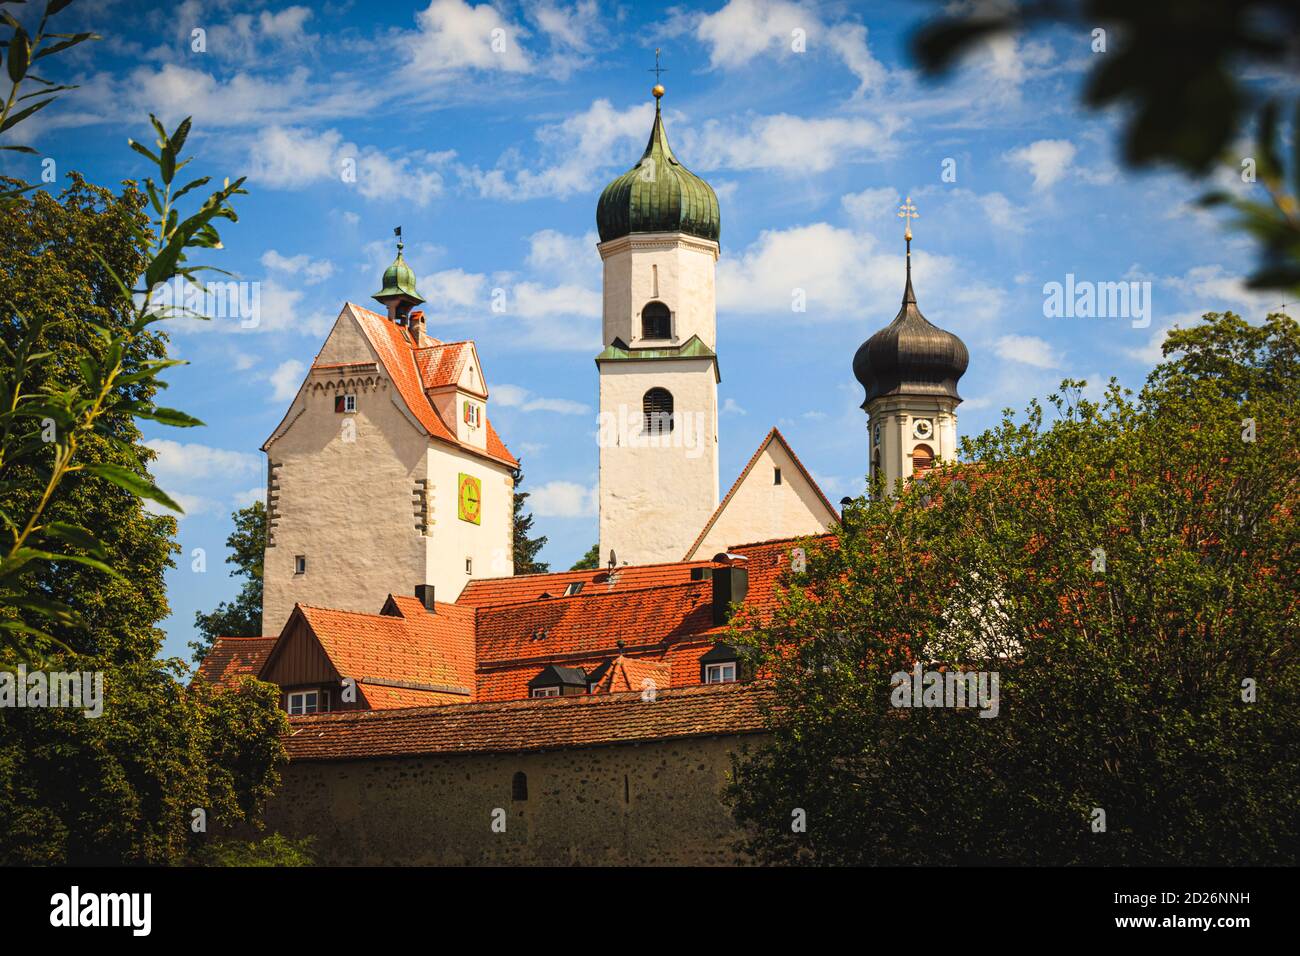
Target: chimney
416 324
730 585
424 593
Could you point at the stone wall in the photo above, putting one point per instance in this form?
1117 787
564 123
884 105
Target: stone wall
650 804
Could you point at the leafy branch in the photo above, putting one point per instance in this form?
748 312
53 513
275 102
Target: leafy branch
32 420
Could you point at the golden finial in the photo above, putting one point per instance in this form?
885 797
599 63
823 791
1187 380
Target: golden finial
907 212
658 90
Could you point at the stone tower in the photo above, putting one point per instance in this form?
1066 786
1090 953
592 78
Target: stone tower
910 370
659 227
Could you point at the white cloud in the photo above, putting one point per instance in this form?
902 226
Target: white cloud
286 379
843 274
570 258
872 205
569 154
1048 160
295 157
563 499
515 396
310 270
188 471
793 144
730 407
454 35
1028 350
745 29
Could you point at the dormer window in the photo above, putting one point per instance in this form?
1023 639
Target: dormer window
345 403
656 321
312 701
573 588
557 681
721 665
472 414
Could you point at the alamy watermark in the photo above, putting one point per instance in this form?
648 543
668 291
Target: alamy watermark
82 690
631 427
216 300
950 688
1082 299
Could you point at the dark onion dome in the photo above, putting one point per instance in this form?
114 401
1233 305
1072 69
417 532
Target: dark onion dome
911 355
673 200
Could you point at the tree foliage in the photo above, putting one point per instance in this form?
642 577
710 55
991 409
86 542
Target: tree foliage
526 549
241 617
589 561
82 565
1130 571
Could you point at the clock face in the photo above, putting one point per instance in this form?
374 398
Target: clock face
923 428
470 498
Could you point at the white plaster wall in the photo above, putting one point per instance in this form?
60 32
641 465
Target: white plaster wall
686 285
452 540
760 510
896 414
346 505
655 500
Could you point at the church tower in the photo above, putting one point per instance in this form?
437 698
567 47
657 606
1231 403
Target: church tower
659 227
910 370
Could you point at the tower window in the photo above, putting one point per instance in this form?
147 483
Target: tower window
776 476
658 407
300 564
345 403
656 321
922 459
519 786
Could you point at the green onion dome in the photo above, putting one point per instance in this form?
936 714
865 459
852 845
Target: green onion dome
658 194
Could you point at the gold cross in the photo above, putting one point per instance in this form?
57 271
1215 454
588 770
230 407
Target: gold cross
907 212
658 69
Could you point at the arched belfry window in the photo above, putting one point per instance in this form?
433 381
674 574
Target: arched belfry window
656 321
658 407
519 786
922 459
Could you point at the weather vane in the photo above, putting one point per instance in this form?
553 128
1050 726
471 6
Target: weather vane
398 233
658 69
907 212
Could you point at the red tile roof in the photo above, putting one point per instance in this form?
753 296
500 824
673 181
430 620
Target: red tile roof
401 360
485 592
531 725
407 645
553 629
441 364
231 658
773 435
634 674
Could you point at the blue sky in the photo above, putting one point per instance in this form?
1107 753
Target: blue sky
492 161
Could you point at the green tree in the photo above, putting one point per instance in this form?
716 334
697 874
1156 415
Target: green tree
526 549
1191 75
1129 570
589 561
241 617
126 784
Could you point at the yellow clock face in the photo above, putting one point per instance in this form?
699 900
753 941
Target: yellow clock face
470 498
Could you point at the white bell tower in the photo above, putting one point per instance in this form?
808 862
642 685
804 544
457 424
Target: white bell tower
658 428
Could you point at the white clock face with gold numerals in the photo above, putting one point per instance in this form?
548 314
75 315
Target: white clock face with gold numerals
922 428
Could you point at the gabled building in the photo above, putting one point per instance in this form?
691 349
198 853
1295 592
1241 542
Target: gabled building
386 467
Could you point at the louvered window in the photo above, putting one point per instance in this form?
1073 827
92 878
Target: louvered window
656 321
658 407
922 459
